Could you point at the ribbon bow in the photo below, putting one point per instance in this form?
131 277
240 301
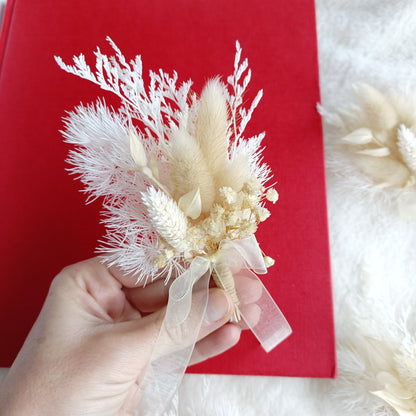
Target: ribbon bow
188 297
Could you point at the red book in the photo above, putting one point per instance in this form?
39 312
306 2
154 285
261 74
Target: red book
45 223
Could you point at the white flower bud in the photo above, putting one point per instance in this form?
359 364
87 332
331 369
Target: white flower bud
272 195
262 214
268 261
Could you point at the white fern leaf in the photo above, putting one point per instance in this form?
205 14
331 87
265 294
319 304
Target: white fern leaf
151 107
246 115
236 100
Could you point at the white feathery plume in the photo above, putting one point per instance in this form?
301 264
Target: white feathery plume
378 110
101 154
253 151
130 241
211 129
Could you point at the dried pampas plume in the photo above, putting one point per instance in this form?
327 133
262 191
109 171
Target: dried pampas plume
378 110
190 169
212 127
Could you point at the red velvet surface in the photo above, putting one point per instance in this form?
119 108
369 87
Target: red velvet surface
45 223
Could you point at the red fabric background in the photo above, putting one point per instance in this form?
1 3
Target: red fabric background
45 224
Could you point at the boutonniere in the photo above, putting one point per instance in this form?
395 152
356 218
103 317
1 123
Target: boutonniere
184 190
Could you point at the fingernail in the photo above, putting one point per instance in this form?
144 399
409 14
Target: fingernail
218 306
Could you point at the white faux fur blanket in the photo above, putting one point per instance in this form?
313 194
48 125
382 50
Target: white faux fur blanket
373 261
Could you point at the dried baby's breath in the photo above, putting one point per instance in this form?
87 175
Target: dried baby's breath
272 195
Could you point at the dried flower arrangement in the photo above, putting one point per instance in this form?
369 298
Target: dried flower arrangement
186 182
379 130
184 192
383 137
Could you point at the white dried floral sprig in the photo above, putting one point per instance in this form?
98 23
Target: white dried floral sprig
382 136
180 182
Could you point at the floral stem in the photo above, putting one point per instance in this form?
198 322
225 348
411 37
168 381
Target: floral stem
227 283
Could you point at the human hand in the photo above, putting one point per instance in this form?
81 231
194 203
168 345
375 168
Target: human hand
93 340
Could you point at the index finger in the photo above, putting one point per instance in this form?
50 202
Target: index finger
129 280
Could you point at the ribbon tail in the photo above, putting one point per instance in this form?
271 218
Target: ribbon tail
261 314
188 297
256 306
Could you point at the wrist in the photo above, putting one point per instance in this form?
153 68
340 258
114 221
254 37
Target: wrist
17 396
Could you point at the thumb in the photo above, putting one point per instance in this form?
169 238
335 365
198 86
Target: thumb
145 331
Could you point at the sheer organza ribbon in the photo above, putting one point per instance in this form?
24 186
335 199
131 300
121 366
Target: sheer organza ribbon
188 297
